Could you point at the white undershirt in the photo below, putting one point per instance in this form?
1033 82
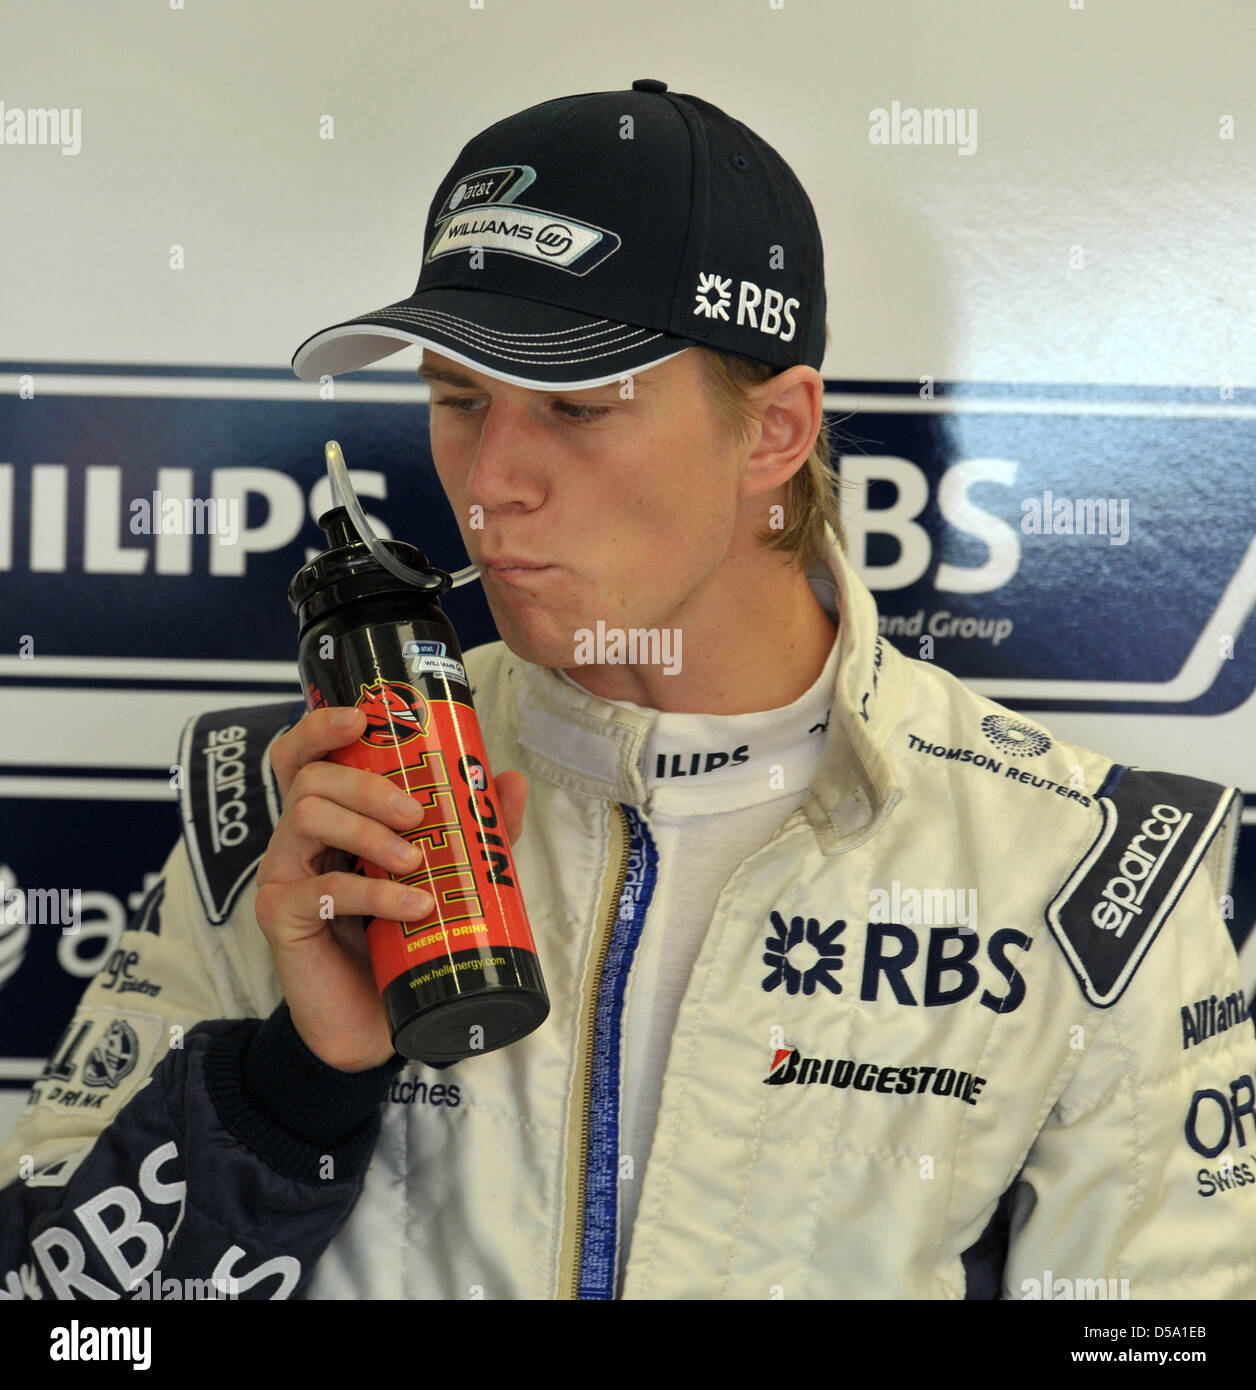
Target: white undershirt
704 823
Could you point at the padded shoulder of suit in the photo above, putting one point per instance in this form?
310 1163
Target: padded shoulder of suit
228 797
1157 828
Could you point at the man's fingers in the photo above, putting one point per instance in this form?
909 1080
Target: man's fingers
313 824
368 793
294 914
314 735
512 788
299 754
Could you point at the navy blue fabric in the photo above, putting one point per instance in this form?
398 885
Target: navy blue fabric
185 1153
985 1258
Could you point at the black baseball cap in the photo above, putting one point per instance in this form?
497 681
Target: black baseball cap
597 235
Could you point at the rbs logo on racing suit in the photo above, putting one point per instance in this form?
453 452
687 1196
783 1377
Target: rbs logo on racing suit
893 961
948 974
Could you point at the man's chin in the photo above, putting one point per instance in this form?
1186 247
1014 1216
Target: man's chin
536 651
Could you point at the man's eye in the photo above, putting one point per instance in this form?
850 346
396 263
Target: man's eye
577 413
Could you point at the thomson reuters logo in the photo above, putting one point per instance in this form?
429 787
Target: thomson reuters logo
1014 736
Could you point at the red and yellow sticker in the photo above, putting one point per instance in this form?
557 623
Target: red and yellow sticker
434 751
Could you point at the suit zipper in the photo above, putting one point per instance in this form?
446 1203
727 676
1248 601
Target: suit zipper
571 1281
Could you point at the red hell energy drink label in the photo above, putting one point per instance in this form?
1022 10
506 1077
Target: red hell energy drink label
464 978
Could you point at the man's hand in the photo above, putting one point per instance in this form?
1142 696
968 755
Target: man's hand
332 813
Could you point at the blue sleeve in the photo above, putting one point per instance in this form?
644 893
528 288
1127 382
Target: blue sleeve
238 1160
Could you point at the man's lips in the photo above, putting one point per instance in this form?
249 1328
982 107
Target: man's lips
511 562
515 573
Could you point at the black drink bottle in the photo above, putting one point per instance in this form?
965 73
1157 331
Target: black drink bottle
465 978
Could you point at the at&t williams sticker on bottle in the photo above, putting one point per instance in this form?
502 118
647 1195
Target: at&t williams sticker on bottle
427 658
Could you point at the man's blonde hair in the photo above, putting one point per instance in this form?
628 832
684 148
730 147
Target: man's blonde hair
811 499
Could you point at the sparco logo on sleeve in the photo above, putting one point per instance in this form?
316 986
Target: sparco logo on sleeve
1156 828
228 798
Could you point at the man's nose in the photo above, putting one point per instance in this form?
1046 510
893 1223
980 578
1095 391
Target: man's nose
508 455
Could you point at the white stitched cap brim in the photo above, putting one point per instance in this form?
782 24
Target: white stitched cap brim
587 352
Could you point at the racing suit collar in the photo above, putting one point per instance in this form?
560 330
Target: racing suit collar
593 747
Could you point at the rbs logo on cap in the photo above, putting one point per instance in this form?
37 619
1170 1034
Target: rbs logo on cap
767 310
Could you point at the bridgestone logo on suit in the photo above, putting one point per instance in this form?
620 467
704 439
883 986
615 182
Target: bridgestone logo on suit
789 1065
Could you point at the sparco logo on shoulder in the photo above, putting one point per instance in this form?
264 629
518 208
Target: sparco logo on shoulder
1142 859
225 786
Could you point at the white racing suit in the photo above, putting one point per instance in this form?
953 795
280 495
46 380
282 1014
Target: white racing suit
862 1099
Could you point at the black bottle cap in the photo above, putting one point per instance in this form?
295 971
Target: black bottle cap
347 570
337 525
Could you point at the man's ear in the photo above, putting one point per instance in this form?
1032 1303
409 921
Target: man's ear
791 415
